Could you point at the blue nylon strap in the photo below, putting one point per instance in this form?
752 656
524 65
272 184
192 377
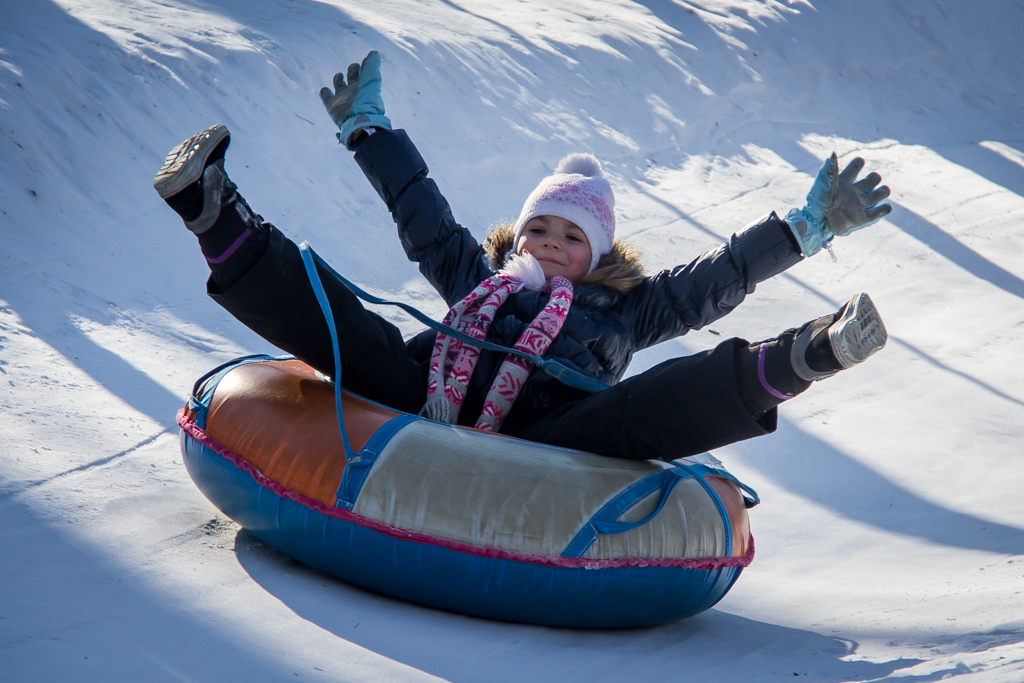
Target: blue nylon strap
750 497
668 484
555 368
199 399
203 401
604 520
699 472
358 467
325 306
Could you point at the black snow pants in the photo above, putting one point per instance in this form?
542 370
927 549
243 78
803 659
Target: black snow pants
681 407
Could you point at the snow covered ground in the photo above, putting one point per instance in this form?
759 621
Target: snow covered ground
891 537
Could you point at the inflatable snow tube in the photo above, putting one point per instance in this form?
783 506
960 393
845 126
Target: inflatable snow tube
453 518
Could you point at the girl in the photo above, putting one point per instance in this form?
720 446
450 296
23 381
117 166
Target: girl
556 282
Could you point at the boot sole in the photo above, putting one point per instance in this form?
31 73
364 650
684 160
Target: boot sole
858 333
185 163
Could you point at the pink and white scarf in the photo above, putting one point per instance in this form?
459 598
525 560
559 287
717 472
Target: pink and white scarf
452 361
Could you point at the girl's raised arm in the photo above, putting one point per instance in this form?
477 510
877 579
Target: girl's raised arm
448 255
693 295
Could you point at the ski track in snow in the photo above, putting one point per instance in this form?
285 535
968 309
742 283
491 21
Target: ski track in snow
891 536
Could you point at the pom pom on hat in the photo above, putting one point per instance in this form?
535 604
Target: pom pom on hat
583 164
577 192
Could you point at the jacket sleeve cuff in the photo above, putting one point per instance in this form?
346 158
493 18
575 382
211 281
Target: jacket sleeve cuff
390 162
765 249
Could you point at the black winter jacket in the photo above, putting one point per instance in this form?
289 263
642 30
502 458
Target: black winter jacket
604 328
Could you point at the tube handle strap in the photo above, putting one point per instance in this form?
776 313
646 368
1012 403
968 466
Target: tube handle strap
750 497
309 261
553 367
357 465
205 386
604 521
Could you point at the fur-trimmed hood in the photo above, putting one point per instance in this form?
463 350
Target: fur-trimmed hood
620 269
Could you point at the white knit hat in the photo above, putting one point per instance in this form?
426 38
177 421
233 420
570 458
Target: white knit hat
579 193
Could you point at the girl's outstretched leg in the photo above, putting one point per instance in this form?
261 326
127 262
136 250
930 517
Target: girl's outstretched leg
257 274
711 399
776 370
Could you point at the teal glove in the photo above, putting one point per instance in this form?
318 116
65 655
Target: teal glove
836 205
357 105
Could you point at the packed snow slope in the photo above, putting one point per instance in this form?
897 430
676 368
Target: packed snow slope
891 536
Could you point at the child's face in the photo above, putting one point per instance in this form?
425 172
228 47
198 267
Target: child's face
559 245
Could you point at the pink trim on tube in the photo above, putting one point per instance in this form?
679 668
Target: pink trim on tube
202 437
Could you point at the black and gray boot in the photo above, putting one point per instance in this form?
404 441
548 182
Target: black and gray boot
194 183
778 369
180 180
837 342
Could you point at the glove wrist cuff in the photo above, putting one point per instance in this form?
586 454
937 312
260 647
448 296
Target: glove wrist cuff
358 122
811 233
